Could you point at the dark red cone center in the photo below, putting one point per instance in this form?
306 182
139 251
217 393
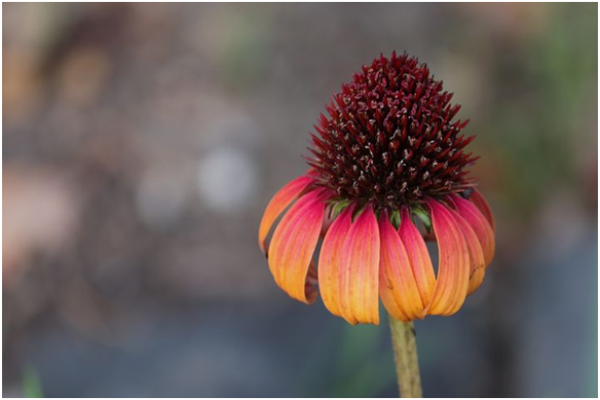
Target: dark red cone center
390 137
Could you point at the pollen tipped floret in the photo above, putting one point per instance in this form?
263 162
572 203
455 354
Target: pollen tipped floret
390 137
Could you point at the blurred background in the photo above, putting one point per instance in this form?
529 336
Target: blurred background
141 143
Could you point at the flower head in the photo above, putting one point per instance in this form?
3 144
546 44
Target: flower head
388 172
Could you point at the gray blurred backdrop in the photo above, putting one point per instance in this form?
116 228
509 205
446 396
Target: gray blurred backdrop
142 142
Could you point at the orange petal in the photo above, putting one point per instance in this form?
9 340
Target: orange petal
359 300
480 225
477 260
293 244
399 292
420 261
330 261
483 206
453 268
278 203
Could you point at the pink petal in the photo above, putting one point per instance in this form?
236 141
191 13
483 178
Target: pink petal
293 244
330 261
399 291
483 206
420 261
278 203
454 262
477 260
480 225
359 300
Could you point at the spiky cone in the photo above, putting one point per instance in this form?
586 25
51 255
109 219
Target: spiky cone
388 171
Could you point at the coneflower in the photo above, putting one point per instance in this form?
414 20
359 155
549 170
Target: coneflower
387 172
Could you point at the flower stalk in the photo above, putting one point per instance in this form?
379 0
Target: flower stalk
405 355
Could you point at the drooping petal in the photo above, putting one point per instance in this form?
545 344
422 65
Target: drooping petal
483 206
359 300
278 203
330 261
480 225
293 244
420 261
453 268
477 260
397 286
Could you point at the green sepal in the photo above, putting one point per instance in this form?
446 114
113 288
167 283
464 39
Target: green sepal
358 211
395 219
423 215
338 207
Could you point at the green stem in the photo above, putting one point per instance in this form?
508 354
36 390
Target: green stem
405 355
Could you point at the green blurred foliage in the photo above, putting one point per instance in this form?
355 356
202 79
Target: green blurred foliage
542 136
32 387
